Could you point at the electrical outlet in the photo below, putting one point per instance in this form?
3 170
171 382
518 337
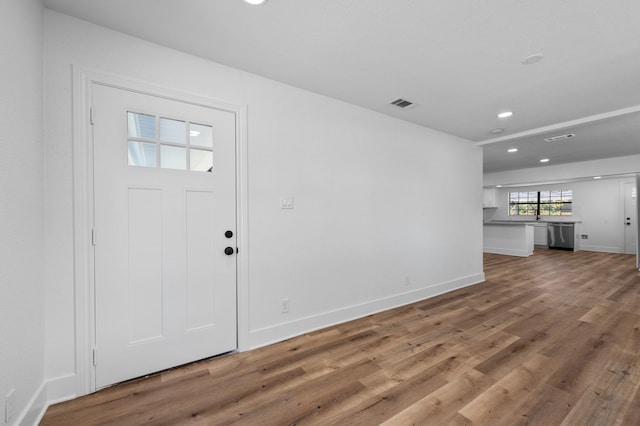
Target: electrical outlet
407 280
284 306
8 406
584 236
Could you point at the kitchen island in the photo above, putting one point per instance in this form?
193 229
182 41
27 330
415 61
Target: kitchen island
513 238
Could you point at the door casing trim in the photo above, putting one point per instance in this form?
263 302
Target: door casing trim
83 209
623 211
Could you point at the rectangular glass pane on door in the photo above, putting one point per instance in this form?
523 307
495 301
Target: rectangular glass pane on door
142 154
141 125
200 160
173 131
173 157
200 135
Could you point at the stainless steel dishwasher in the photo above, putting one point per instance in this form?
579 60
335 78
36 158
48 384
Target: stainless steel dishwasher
560 236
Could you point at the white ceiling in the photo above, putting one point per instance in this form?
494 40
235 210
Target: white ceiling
458 60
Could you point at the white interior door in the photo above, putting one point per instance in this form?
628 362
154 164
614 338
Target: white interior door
164 192
630 217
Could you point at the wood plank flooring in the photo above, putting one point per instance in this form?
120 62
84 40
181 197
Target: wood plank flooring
552 339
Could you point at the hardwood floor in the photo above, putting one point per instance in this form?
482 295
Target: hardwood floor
547 340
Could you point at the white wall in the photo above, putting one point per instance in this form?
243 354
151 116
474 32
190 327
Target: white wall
21 204
376 199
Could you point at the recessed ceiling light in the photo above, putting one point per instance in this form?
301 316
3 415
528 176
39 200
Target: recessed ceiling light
256 2
512 150
505 114
544 160
597 177
532 59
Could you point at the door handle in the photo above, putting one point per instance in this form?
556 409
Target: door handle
228 251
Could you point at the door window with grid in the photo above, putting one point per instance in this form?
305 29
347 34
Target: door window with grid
169 143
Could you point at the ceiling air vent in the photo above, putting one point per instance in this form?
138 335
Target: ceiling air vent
402 103
560 137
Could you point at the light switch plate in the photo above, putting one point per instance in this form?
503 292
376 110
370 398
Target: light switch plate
286 202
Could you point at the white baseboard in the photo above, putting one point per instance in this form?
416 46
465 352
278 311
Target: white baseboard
64 388
279 332
50 392
604 249
508 252
33 412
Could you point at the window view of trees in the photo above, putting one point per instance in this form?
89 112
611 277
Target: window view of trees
543 203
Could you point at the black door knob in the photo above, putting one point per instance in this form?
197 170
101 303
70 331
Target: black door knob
228 234
228 251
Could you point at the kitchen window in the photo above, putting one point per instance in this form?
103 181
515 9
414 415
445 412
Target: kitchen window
541 203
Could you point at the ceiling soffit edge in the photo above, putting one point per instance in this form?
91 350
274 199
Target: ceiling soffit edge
562 126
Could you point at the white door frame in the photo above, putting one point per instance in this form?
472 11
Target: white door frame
83 210
623 210
637 217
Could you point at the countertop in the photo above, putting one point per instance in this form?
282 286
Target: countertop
508 222
527 222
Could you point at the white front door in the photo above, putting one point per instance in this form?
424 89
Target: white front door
630 222
165 211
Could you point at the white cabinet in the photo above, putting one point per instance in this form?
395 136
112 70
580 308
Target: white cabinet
508 237
540 234
490 198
